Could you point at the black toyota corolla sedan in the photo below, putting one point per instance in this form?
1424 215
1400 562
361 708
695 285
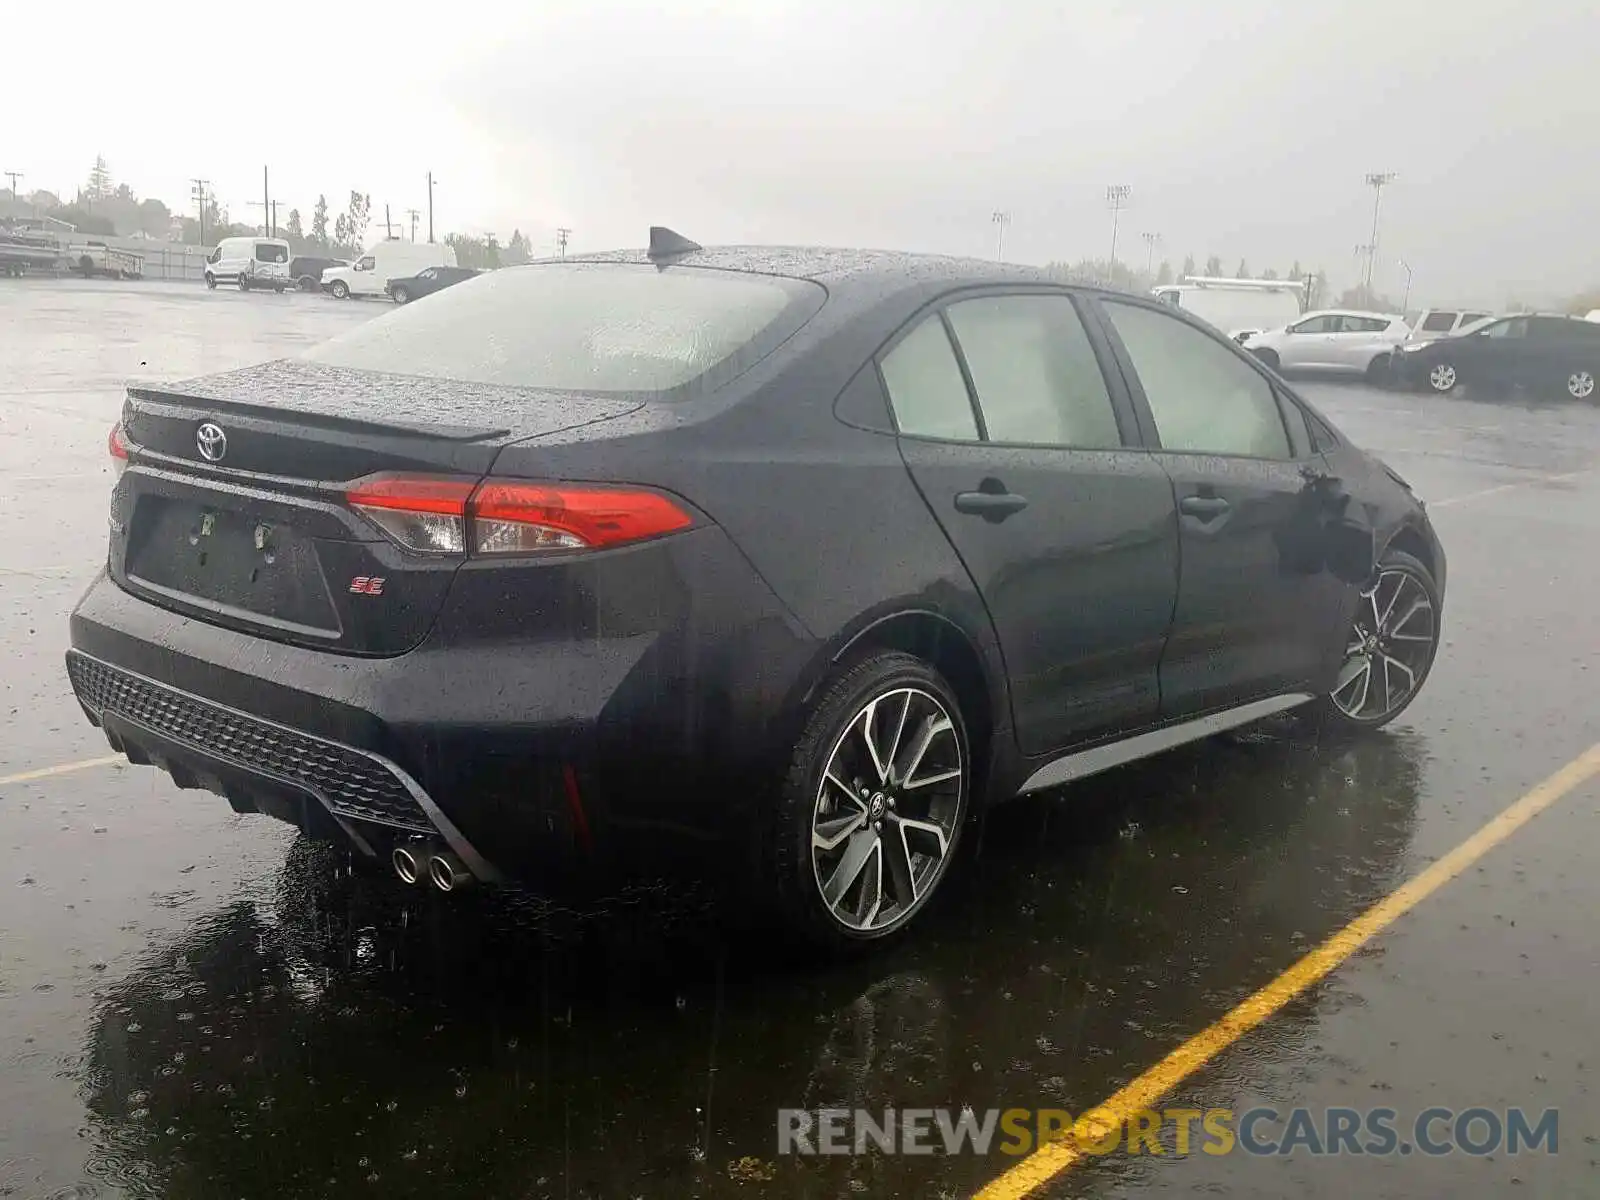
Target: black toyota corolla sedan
805 555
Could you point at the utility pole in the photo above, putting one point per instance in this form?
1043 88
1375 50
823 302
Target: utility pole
266 203
413 214
1150 241
200 186
562 235
388 226
1117 197
13 176
1377 181
430 207
999 219
274 218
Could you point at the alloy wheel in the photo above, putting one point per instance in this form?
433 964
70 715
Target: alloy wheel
1580 385
887 810
1442 378
1390 648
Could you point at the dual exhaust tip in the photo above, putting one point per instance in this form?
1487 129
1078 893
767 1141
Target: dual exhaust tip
419 862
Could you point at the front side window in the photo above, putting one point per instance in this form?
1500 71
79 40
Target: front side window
925 387
1513 327
426 273
365 264
1205 399
585 327
1322 324
1035 373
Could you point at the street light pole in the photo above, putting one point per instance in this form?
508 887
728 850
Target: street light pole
1117 197
999 219
1377 181
430 207
1406 303
1150 240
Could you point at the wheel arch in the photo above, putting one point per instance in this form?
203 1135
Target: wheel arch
1410 540
952 651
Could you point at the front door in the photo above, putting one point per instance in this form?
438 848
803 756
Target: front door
1308 341
1258 607
1027 459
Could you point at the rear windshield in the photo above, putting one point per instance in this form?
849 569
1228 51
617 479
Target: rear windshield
585 327
268 253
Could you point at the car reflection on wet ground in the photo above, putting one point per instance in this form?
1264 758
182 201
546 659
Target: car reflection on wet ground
193 1003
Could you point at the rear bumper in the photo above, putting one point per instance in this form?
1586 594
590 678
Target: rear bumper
520 751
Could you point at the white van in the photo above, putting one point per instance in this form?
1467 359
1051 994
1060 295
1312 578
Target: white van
370 274
249 262
1240 308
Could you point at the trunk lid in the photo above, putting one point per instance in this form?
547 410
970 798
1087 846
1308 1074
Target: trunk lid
232 509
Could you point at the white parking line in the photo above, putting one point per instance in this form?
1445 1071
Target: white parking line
1508 487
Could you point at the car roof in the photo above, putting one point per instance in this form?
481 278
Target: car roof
840 269
1352 312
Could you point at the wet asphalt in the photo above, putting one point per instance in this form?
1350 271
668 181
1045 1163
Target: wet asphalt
195 1004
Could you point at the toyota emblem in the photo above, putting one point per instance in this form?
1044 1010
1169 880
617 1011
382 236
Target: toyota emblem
212 442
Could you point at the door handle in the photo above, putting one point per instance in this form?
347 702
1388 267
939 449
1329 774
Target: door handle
991 506
1204 507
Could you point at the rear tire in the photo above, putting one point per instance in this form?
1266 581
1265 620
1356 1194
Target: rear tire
1580 385
1379 370
244 283
1268 358
1390 649
340 290
854 851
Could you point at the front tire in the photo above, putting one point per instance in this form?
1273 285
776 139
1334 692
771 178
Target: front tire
871 810
340 290
1389 650
1379 370
1581 385
401 296
1443 378
211 281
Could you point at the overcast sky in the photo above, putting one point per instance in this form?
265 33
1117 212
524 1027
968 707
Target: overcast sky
1243 127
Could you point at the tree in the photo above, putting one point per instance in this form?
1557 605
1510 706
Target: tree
99 180
1214 266
1164 273
124 192
1295 272
155 218
518 249
291 228
1243 272
341 230
356 218
1319 289
1269 273
1188 265
319 222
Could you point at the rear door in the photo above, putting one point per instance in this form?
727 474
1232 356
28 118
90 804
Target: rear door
1258 612
1028 458
1356 340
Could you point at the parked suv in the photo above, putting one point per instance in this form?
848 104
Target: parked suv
306 271
1333 340
1434 323
1539 352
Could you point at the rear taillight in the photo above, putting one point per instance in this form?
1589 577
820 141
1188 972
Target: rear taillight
117 446
510 516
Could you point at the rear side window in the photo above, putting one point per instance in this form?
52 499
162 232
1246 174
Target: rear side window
585 327
925 387
1469 318
1317 325
1205 399
1439 322
1365 324
1035 372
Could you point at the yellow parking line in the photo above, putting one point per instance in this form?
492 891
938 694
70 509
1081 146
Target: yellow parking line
82 764
1146 1091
